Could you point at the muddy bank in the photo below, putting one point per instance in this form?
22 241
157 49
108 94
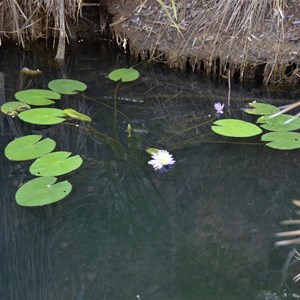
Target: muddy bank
253 40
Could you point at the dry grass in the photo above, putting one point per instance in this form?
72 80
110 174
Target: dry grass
28 20
217 36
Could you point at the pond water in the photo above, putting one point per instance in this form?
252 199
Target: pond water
205 230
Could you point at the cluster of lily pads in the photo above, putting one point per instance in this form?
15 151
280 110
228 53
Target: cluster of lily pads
47 164
281 127
42 97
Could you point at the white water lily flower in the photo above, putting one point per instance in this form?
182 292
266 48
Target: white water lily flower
161 159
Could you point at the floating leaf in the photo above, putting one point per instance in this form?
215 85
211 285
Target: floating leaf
76 115
37 97
277 123
43 116
29 147
67 86
152 151
261 109
123 74
282 140
235 128
55 164
42 191
12 108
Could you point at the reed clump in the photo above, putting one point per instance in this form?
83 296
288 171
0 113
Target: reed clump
28 20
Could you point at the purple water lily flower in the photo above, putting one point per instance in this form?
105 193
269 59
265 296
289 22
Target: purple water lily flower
219 108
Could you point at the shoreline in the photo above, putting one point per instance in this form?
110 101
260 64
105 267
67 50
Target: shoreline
257 40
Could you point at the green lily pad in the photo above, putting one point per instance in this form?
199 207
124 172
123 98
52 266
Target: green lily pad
152 151
235 128
12 108
282 140
43 116
29 147
55 164
277 123
67 86
123 74
76 115
42 191
37 97
261 109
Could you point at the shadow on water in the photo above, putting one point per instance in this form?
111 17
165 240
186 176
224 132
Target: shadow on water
203 231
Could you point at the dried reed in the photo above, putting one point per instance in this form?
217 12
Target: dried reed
217 36
231 24
30 20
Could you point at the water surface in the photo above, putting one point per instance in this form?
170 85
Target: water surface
203 231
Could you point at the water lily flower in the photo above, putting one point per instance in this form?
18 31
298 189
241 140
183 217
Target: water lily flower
161 160
219 108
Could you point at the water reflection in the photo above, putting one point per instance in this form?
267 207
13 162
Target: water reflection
205 230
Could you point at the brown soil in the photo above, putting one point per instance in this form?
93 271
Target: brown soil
269 49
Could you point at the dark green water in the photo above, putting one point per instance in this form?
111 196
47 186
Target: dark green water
204 231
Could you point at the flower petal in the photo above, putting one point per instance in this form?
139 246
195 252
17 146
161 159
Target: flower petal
155 164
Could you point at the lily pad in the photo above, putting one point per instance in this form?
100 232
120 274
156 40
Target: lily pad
235 128
29 147
12 108
282 140
76 115
278 123
67 86
152 151
123 74
37 97
43 116
261 109
55 164
42 191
